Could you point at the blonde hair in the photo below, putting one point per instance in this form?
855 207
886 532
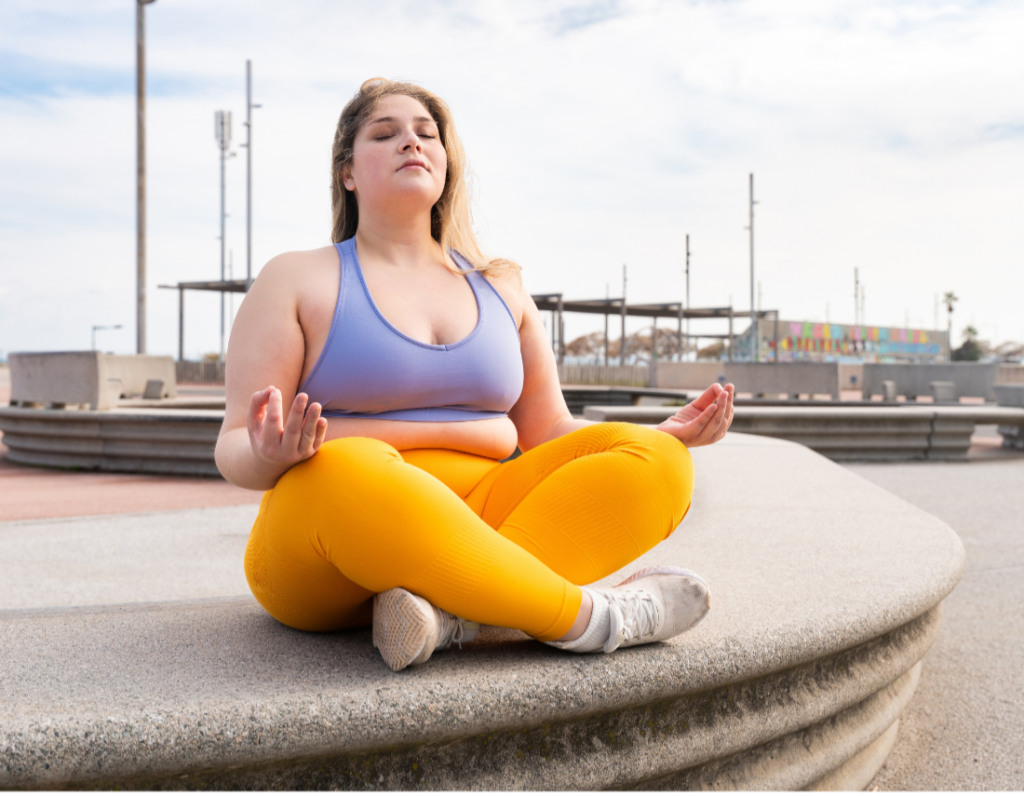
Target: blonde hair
450 219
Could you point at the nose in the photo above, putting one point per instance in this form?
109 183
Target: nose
411 142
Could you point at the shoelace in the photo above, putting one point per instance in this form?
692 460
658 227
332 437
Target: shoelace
454 629
633 616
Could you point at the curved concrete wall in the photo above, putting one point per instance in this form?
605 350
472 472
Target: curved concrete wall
826 595
179 442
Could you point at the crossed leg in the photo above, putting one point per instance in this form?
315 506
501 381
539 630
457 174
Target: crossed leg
500 544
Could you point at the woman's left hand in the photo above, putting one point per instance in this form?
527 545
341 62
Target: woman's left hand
704 420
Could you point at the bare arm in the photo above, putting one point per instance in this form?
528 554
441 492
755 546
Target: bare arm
541 414
266 427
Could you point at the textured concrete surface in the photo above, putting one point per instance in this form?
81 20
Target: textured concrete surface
825 589
163 441
120 558
964 730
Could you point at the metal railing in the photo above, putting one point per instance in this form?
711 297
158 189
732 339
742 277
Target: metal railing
199 372
619 375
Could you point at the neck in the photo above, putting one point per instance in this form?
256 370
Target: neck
403 241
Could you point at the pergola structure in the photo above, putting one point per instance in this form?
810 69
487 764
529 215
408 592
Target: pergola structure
555 303
225 286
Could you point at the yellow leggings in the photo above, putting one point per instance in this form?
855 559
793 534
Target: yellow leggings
500 544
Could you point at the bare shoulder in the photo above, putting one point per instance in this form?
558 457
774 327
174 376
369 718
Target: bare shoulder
293 267
510 287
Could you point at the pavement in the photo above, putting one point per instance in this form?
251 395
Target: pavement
964 728
90 538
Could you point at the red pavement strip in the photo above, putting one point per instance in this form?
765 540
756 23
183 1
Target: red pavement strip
34 493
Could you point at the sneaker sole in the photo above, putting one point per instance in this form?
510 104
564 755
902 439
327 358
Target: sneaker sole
400 627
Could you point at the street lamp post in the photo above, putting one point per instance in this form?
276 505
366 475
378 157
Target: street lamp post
140 175
222 131
98 329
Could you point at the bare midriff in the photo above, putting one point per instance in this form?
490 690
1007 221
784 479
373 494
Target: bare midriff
495 437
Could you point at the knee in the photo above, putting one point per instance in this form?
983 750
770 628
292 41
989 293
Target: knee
350 460
665 461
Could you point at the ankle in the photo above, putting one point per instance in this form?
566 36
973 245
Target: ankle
595 635
579 627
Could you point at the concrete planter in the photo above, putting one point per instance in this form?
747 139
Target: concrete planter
826 595
167 441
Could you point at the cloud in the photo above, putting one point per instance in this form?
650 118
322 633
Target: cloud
583 15
599 133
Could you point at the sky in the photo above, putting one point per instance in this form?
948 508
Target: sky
883 136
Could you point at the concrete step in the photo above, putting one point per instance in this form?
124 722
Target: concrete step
850 433
119 440
826 595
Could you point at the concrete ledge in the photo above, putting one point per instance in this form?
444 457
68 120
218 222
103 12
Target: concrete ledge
850 433
827 594
122 440
56 379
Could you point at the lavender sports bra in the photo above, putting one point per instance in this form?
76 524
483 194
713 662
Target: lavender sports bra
370 369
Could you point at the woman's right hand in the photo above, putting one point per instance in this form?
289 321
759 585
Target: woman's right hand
279 441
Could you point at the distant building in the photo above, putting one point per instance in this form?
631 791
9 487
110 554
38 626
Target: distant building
809 341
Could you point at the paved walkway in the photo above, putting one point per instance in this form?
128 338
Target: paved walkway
964 729
138 538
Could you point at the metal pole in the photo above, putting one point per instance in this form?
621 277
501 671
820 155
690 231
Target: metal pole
222 128
248 173
775 338
223 218
679 335
622 340
755 347
606 338
140 175
687 293
856 297
607 293
181 324
561 333
730 334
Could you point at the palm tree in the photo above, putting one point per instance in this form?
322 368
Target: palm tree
950 299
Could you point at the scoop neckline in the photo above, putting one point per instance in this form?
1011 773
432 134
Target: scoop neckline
399 332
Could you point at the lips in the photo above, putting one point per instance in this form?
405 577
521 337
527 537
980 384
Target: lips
413 164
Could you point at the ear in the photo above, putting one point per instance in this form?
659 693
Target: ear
346 177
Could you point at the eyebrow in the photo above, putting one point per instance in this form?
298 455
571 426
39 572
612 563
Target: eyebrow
383 119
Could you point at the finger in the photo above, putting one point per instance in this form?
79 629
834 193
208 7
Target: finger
726 422
293 423
309 424
257 411
273 423
321 433
708 397
700 422
712 425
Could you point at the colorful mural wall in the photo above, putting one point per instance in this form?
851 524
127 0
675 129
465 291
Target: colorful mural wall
806 340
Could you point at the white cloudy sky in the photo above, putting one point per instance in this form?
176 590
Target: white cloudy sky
887 136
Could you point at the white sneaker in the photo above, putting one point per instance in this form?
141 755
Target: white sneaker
654 604
407 628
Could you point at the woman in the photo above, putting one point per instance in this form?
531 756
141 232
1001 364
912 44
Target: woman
374 388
